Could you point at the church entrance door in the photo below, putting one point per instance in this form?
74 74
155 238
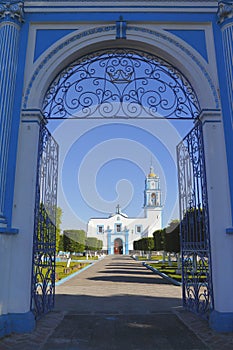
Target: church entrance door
118 246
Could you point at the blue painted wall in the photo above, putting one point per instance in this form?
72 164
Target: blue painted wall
46 38
195 38
106 17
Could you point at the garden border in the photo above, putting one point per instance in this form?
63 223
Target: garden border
163 275
65 279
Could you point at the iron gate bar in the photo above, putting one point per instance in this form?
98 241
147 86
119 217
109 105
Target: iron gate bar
118 118
120 83
194 223
44 242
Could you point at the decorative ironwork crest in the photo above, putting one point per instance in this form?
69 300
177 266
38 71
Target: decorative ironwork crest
194 223
120 83
44 245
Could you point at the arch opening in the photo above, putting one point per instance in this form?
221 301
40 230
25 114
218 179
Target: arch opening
122 83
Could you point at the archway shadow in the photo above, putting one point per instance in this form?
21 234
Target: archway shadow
115 303
121 322
125 272
131 279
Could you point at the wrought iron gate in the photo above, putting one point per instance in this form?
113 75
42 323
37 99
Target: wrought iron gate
194 223
126 83
44 244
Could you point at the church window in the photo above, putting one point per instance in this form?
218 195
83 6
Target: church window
100 229
153 198
118 228
152 184
138 228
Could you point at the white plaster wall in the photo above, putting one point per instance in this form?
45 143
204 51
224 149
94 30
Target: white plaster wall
19 293
5 270
219 213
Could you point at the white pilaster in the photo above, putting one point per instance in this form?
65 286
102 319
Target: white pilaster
219 211
23 213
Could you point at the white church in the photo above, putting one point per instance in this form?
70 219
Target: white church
118 231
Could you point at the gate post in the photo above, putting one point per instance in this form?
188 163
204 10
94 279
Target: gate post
19 293
221 318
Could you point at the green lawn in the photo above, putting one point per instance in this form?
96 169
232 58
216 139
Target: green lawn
154 257
168 270
171 271
75 257
63 271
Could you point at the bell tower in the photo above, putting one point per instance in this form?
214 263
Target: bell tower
152 202
152 190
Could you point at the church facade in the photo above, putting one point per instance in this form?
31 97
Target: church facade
118 231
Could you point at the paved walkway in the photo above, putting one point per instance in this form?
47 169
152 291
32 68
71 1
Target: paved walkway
118 304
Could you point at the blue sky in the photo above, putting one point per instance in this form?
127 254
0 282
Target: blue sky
103 163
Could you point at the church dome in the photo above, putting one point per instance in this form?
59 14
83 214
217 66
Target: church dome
151 173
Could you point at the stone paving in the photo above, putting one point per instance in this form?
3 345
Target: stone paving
118 304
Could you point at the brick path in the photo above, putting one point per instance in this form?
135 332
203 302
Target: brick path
118 304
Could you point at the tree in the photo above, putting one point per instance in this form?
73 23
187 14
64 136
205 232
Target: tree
47 229
99 244
172 237
92 243
193 227
74 240
150 244
144 244
58 227
135 245
61 243
168 239
159 237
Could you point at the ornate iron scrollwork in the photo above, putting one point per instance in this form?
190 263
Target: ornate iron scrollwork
120 83
194 223
44 244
